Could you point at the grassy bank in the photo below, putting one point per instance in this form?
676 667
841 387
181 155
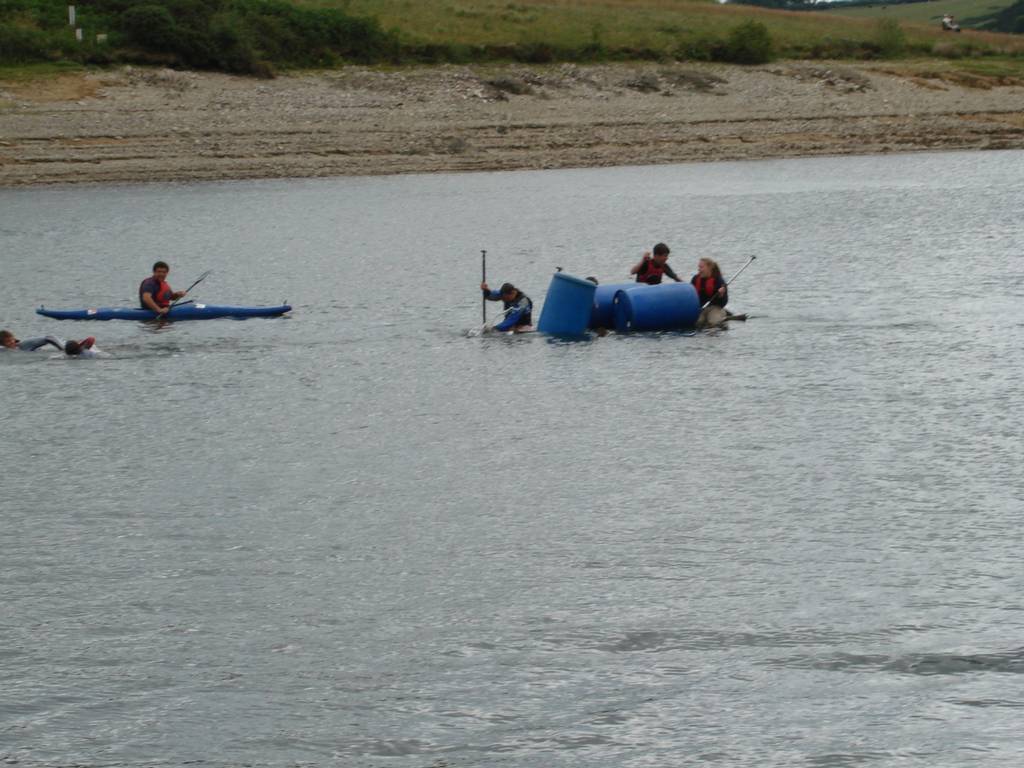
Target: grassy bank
658 28
258 36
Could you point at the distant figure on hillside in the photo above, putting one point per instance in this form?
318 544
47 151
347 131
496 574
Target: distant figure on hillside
949 23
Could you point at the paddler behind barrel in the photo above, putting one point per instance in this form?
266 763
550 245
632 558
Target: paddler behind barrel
651 267
155 293
518 308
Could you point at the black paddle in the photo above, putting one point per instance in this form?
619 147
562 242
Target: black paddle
483 279
728 282
200 279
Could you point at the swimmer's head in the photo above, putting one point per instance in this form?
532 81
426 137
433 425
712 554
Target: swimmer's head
78 347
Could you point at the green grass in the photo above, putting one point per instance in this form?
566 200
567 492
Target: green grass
925 12
256 36
21 72
658 26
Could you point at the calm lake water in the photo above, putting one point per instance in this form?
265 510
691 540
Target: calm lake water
358 536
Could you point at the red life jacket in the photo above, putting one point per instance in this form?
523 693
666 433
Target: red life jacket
650 272
705 287
162 295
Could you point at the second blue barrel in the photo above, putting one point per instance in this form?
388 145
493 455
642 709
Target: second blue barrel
567 306
603 313
664 307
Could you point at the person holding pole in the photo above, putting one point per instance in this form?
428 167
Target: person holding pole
518 308
710 284
713 293
155 293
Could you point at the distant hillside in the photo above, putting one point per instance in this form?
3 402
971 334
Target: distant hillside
1009 19
259 36
972 14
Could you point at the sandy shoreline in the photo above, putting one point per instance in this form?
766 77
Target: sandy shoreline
132 125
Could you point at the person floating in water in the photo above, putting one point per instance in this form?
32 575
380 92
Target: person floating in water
9 341
155 293
83 348
651 268
518 308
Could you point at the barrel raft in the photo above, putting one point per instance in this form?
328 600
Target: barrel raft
664 307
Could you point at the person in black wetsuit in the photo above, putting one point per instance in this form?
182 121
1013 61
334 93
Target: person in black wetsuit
518 307
651 267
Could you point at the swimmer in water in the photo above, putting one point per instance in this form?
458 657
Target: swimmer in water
83 348
9 341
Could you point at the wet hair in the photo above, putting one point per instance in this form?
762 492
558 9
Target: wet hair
5 335
661 250
712 265
508 288
593 280
161 265
73 348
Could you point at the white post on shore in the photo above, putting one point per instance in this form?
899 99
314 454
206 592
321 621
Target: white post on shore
78 34
71 15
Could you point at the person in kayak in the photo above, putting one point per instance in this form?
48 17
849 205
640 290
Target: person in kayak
518 307
651 267
155 293
710 284
9 341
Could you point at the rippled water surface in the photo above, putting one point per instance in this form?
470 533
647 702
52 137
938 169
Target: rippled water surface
358 536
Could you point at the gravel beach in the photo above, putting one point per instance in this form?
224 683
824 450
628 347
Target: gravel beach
134 124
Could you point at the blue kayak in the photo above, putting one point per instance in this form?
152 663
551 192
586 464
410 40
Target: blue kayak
180 312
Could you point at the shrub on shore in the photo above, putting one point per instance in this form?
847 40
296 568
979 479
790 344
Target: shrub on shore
243 36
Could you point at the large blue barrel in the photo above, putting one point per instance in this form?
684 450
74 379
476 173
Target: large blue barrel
603 313
664 307
567 306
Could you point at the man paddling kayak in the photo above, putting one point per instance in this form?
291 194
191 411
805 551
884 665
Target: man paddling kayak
154 292
518 308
